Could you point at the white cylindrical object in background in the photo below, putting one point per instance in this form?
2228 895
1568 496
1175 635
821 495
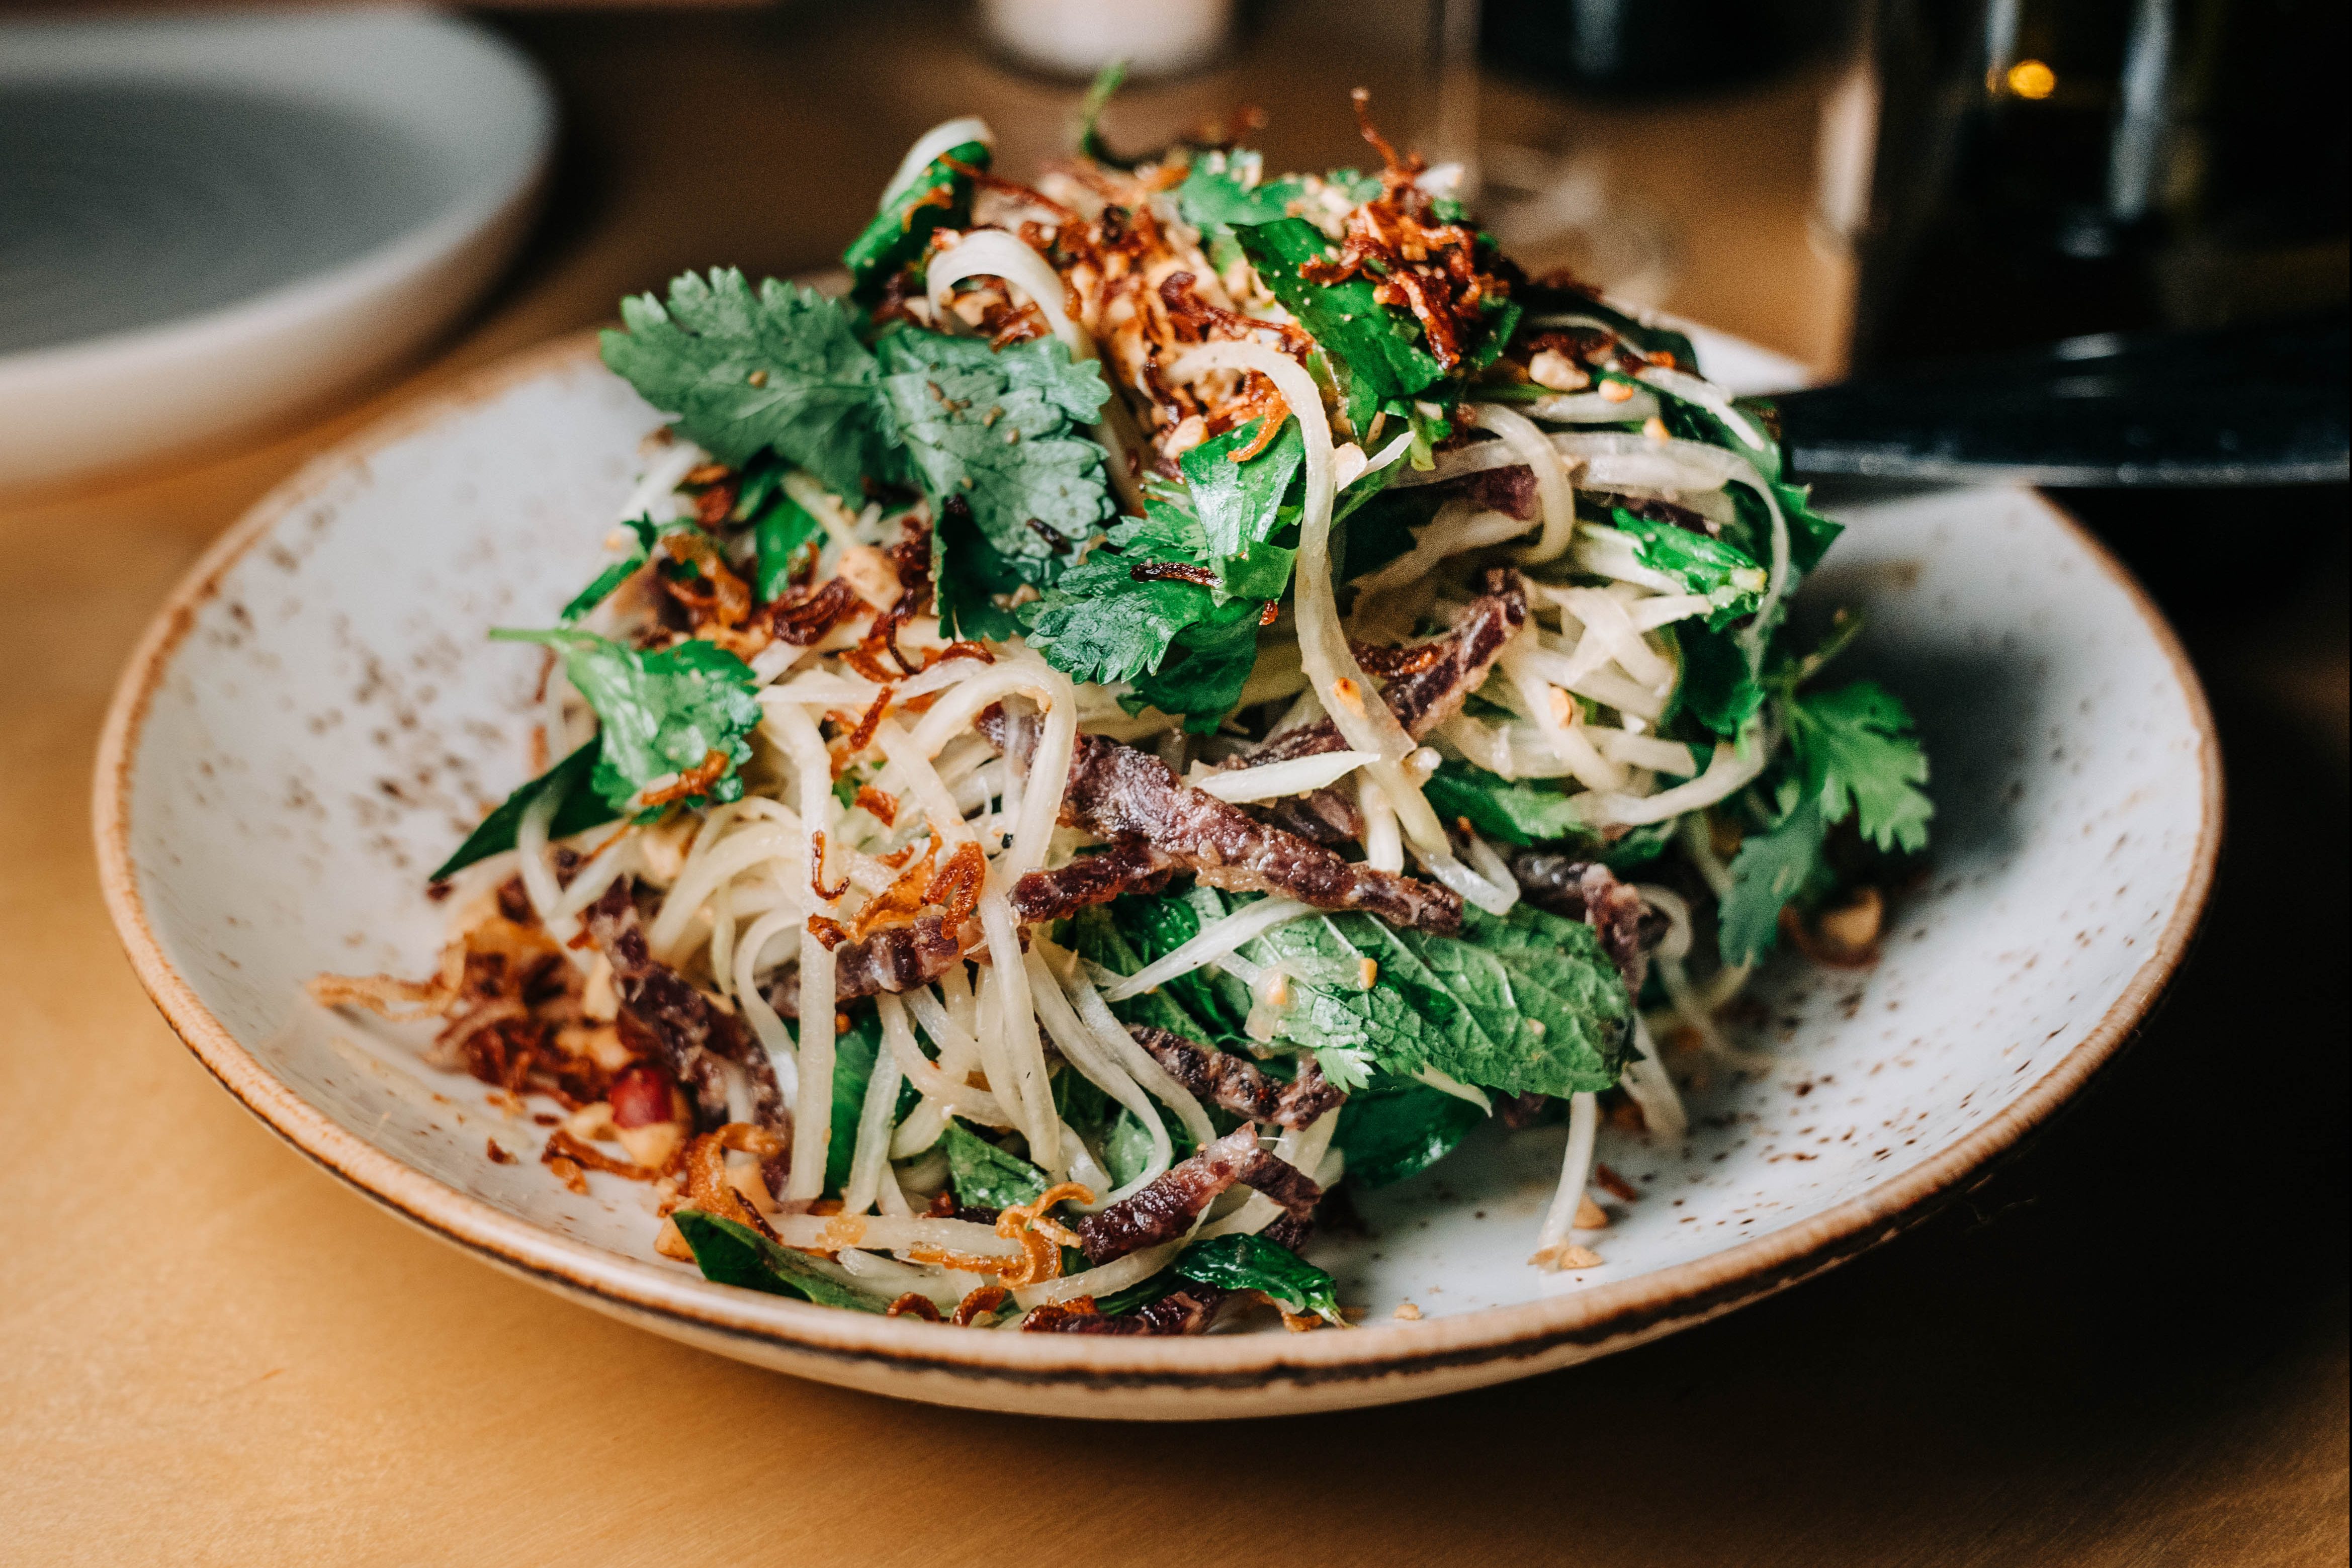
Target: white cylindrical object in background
1078 37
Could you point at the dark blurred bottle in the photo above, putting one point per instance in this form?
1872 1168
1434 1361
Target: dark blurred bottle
1619 47
2054 168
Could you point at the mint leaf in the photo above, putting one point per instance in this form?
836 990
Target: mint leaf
662 714
1375 353
1729 578
1394 1127
582 809
730 1252
986 1176
999 429
780 370
937 197
1524 1003
1858 753
1521 811
1769 870
1254 1263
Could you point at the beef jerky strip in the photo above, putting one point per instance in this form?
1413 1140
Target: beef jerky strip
1589 891
897 958
1238 1084
1188 1309
1164 1210
1120 792
1431 690
1129 866
693 1035
901 958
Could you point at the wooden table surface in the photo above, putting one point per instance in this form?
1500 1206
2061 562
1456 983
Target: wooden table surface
2130 1349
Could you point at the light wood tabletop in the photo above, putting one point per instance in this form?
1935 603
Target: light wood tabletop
2128 1348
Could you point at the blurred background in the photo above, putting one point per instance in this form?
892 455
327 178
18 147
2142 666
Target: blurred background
351 216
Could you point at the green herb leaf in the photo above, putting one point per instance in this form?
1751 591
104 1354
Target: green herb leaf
1238 505
854 1053
1254 1263
780 530
1858 753
582 809
1375 351
901 231
1520 811
1187 650
970 576
731 1253
646 530
1224 191
662 714
1731 581
1769 870
1396 1127
984 1176
1524 1003
1717 689
780 370
1000 430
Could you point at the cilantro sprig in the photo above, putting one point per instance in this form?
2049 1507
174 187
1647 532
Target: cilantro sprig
661 713
777 369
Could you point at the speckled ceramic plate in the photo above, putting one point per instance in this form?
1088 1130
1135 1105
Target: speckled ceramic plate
314 718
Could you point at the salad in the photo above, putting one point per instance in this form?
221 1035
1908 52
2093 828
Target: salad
1182 688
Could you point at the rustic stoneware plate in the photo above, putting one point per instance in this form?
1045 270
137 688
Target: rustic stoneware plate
314 718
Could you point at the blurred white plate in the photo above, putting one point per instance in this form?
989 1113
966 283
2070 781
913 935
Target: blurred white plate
206 222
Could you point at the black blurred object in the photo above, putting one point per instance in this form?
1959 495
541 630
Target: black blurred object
2268 406
1651 47
2047 169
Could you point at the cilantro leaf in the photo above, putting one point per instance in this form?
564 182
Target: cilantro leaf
610 579
1254 1263
1375 353
1729 578
1239 505
730 1252
1855 745
1769 870
1395 1127
582 809
1205 669
1517 811
662 714
1101 623
781 528
999 429
1223 191
780 370
1186 651
937 197
986 1176
971 575
1717 689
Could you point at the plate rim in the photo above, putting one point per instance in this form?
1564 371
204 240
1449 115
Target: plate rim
1649 1304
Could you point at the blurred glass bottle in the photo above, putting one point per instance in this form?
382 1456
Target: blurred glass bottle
2012 172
